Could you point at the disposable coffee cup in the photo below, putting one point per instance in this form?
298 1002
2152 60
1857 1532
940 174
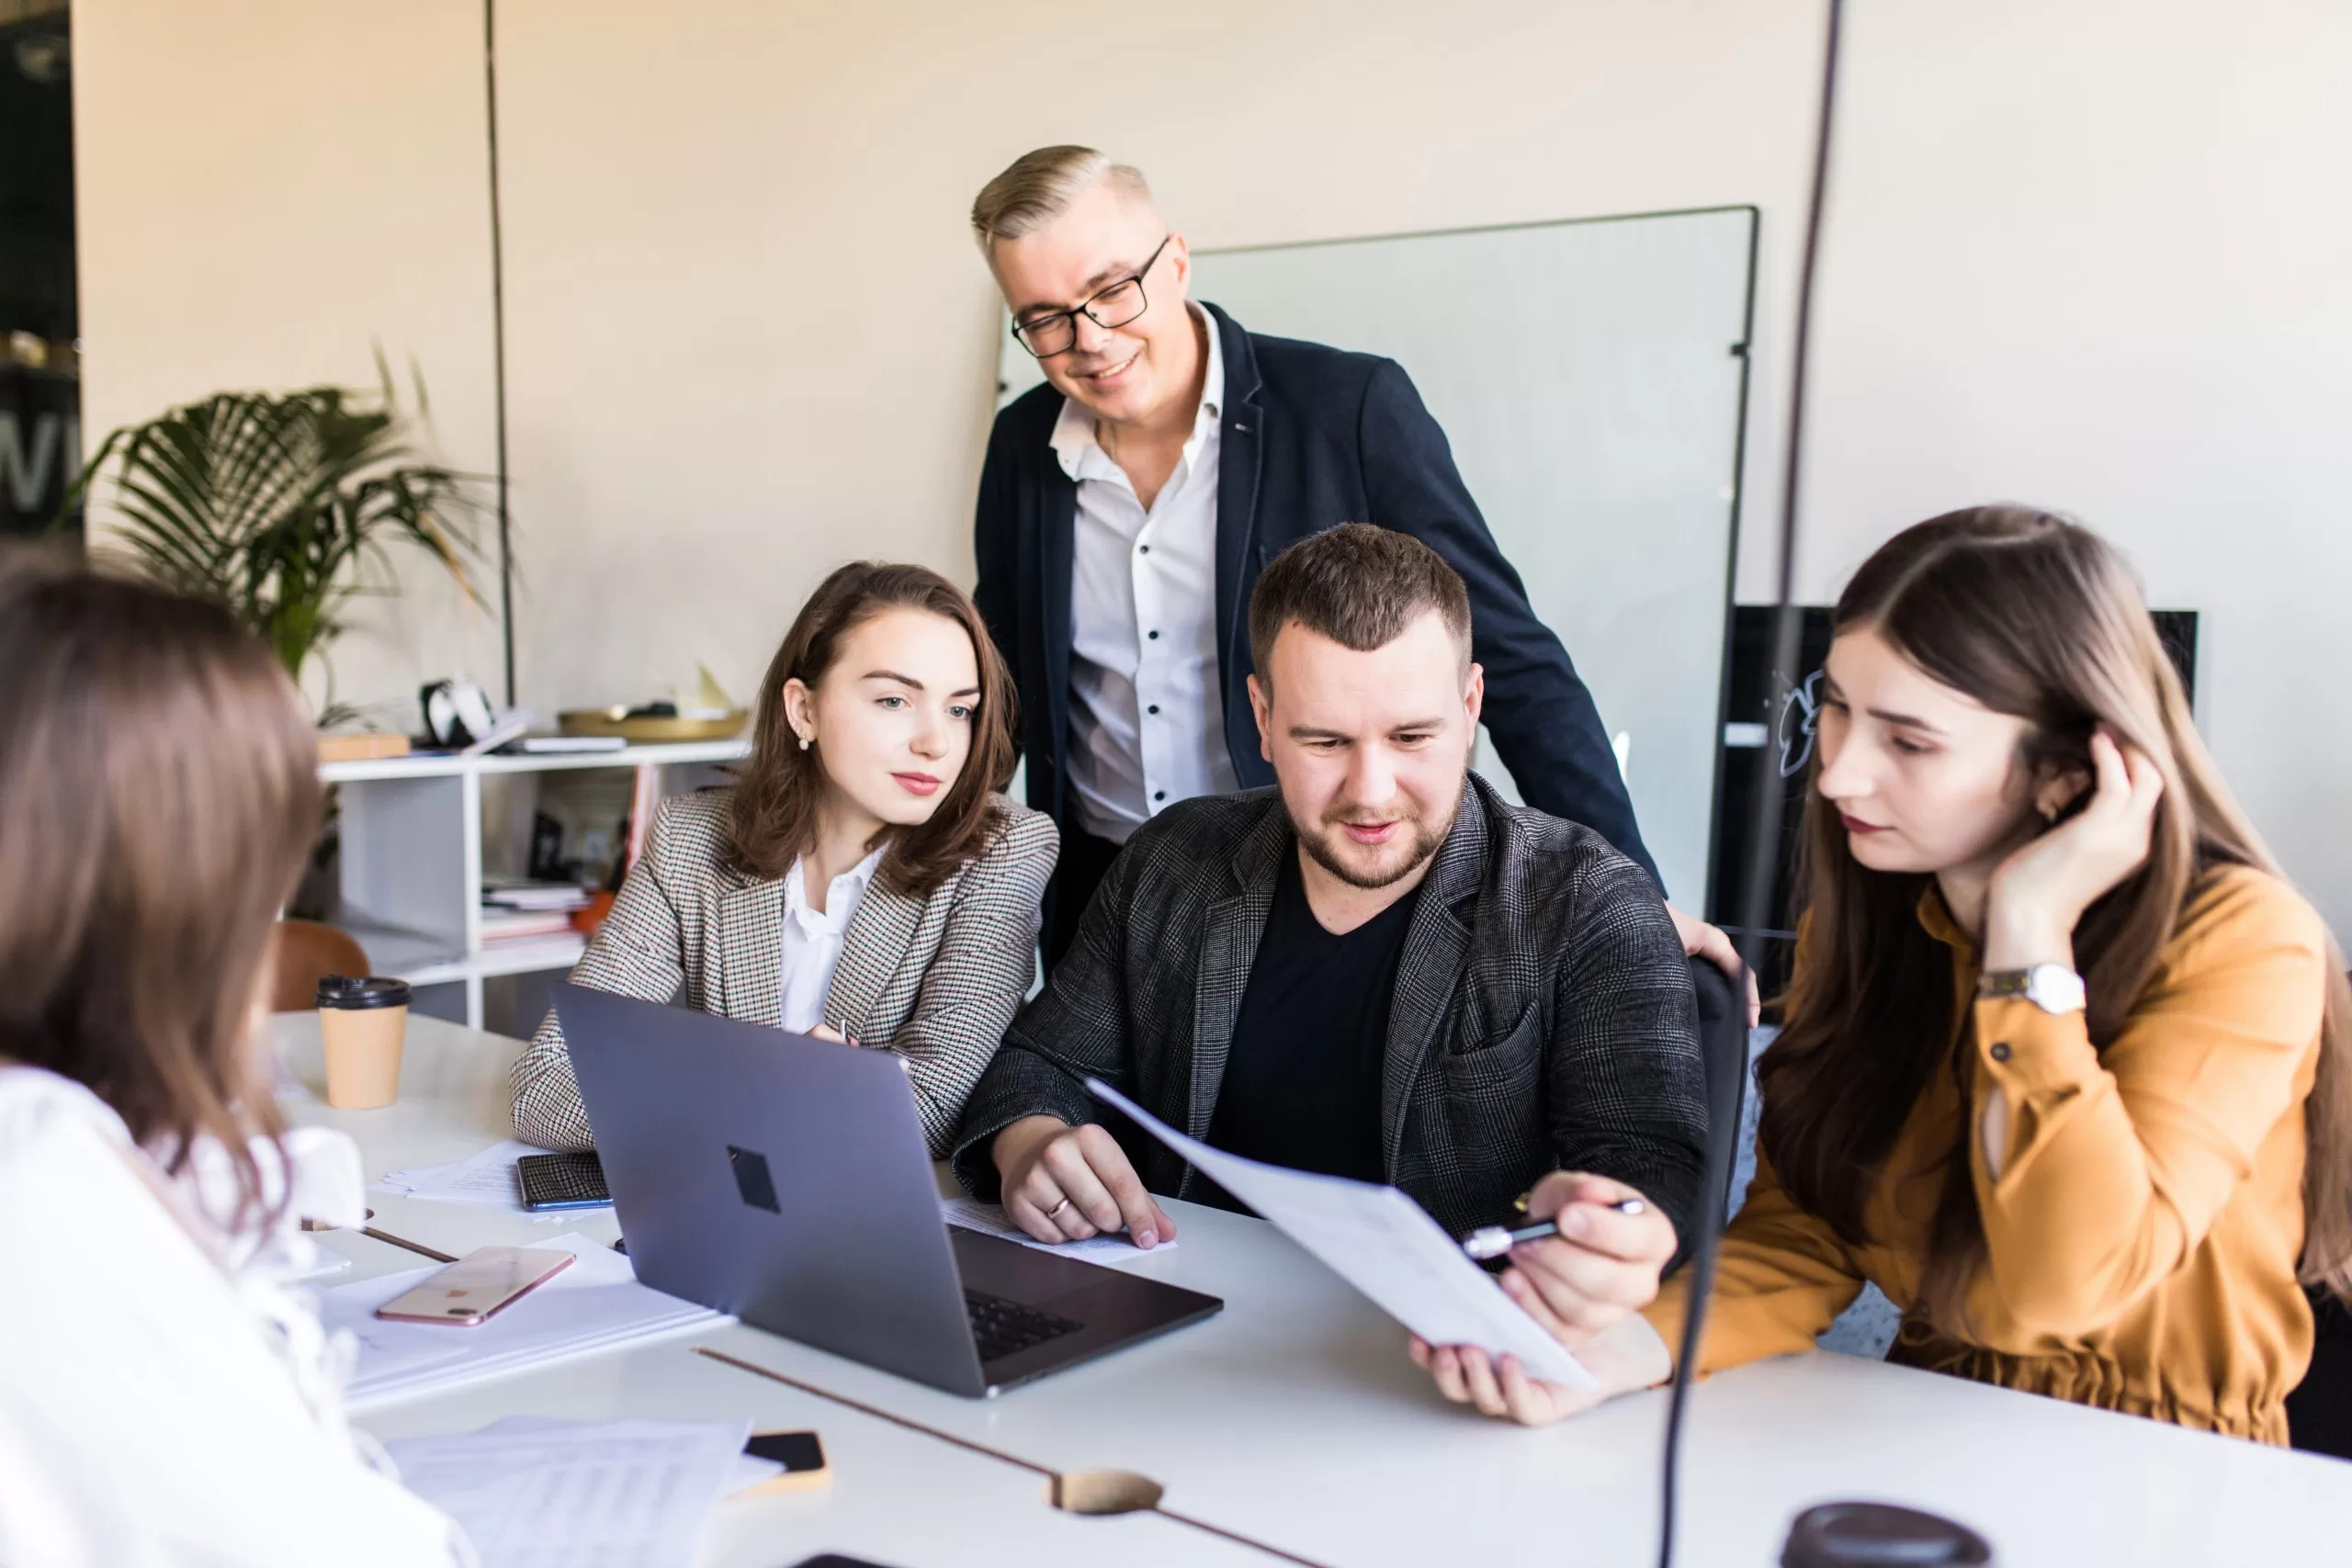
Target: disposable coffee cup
362 1022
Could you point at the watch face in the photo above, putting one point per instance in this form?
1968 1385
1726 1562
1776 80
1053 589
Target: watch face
2053 988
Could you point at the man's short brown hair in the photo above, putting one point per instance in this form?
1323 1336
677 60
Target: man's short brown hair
1358 585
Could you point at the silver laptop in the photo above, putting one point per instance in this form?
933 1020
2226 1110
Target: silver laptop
784 1181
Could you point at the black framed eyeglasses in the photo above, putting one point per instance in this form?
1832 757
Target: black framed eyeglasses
1115 306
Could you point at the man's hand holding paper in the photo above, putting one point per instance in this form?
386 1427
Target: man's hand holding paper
1385 1244
1602 1265
1584 1286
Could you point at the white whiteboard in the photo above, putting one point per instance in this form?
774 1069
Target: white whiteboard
1589 374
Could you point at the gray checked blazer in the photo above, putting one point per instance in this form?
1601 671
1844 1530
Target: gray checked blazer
1542 1018
935 979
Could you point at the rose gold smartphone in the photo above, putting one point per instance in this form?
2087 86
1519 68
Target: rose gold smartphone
468 1291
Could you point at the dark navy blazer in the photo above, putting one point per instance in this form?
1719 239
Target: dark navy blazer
1311 437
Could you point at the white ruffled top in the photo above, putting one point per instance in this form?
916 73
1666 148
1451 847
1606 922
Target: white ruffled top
167 1394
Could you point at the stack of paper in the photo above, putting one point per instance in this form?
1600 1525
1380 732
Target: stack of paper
519 911
521 925
486 1180
516 893
539 1494
595 1304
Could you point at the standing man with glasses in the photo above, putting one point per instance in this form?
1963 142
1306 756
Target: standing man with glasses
1127 506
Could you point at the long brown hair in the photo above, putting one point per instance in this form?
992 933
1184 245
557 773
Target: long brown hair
773 820
158 797
2038 618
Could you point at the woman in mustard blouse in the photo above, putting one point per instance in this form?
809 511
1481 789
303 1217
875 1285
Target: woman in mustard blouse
2065 1066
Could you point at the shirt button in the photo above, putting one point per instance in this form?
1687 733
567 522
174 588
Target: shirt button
1153 635
1160 794
2000 1052
1143 550
1153 708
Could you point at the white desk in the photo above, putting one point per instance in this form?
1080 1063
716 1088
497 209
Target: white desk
453 1102
1294 1417
897 1497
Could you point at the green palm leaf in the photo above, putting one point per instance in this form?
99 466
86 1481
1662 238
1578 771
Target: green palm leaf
280 505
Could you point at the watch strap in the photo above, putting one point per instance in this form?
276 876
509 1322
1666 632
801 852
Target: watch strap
2052 988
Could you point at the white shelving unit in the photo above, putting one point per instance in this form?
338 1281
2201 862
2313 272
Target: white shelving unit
411 829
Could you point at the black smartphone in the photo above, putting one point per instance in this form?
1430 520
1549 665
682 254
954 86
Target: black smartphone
802 1456
562 1181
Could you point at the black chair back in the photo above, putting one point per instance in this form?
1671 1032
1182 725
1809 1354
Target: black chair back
1723 1044
2319 1413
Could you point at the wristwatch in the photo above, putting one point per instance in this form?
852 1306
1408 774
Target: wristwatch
2052 988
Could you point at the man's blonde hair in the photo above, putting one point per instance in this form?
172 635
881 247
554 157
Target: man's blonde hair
1037 187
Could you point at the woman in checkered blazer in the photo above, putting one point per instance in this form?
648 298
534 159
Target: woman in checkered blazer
863 879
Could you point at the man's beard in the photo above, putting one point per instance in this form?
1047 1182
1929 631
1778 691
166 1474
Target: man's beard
1427 837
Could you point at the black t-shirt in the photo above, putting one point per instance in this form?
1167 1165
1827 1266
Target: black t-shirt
1302 1078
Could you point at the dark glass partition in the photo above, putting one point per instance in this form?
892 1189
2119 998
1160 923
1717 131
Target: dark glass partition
39 321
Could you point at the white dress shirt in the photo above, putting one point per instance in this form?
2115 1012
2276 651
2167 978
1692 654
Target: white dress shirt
812 938
167 1396
1147 708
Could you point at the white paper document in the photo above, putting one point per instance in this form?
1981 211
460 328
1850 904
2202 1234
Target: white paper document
536 1493
594 1304
1385 1244
990 1220
484 1180
748 1472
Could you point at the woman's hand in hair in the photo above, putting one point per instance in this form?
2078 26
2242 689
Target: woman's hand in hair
2039 894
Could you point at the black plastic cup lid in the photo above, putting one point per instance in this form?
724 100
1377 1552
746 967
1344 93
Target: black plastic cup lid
1880 1535
346 992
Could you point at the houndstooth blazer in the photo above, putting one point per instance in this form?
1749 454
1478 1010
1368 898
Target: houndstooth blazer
935 979
1542 1018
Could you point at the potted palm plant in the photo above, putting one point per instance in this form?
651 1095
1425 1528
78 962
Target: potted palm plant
280 505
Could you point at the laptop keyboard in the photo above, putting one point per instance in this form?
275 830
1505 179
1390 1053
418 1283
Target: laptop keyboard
1000 1328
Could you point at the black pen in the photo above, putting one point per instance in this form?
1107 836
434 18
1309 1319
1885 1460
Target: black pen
1493 1241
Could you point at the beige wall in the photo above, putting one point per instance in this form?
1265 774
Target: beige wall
268 191
2082 251
750 337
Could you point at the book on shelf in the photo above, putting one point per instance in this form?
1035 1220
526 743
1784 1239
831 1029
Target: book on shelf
509 925
563 745
361 746
505 894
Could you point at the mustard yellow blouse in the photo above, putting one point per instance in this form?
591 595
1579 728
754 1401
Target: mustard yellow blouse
2143 1236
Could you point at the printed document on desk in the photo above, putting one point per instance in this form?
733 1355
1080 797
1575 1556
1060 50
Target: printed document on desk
538 1493
1385 1244
481 1180
593 1305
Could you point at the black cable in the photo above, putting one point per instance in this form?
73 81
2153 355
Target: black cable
1759 876
498 342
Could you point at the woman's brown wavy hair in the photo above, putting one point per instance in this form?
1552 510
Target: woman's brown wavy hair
2037 617
773 820
159 795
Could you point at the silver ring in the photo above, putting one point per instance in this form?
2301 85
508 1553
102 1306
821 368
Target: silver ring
1056 1208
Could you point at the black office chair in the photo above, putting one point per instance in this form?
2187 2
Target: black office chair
2319 1413
1723 1044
